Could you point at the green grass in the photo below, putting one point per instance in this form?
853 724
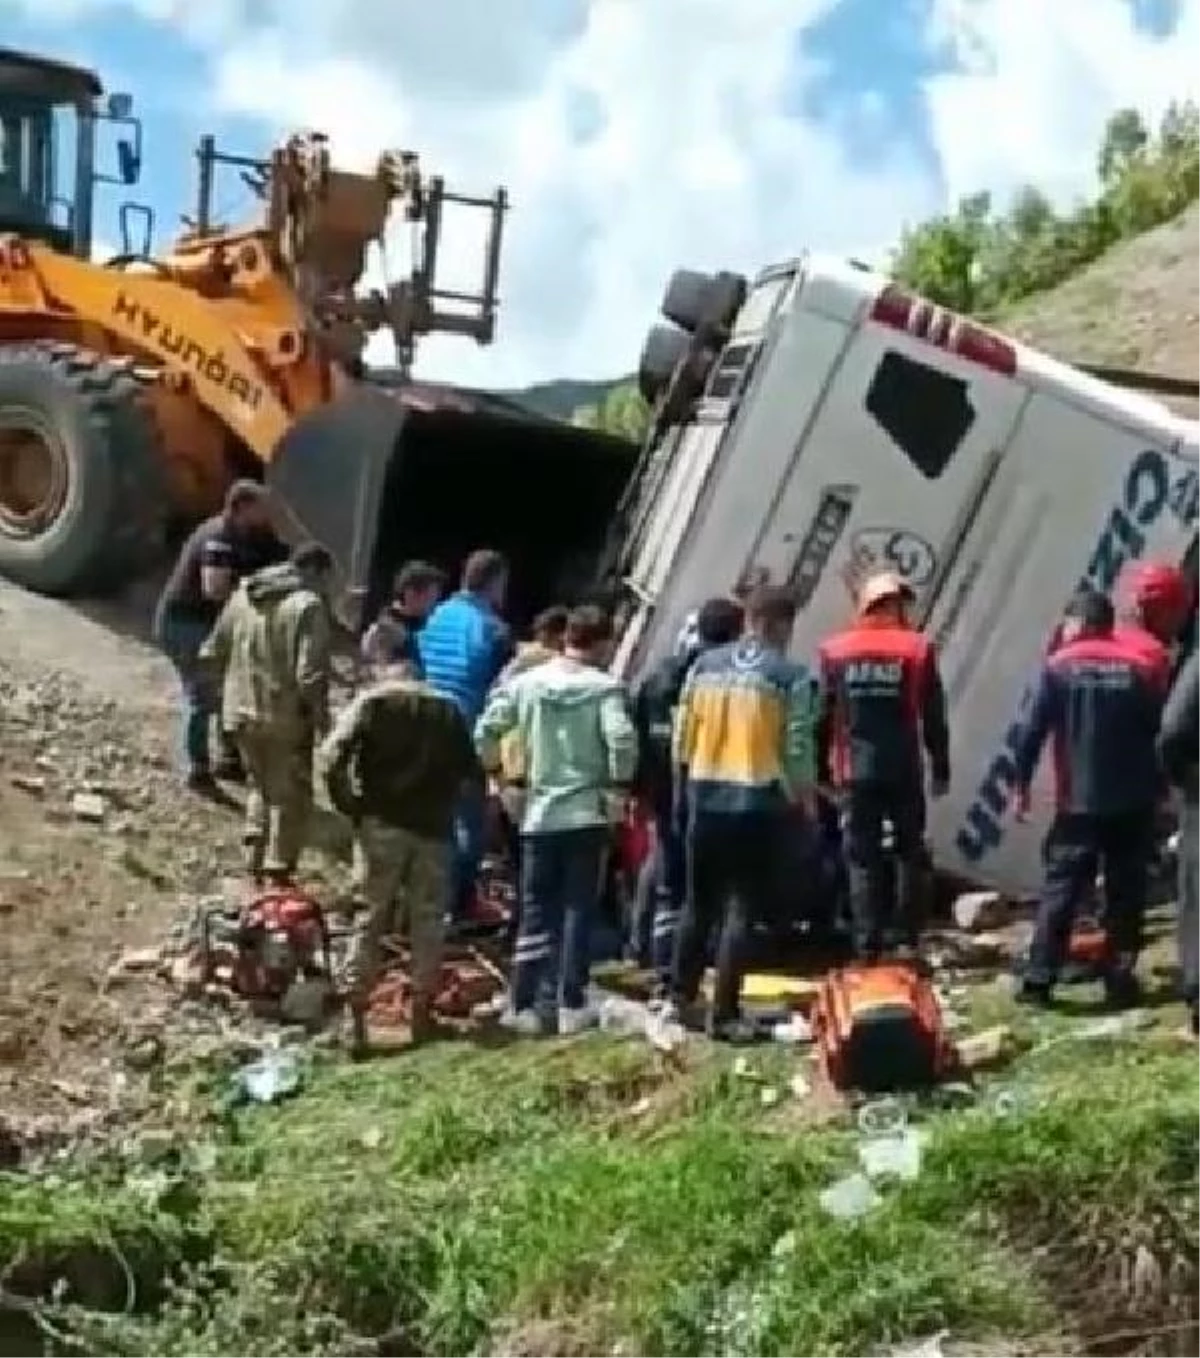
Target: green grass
581 1198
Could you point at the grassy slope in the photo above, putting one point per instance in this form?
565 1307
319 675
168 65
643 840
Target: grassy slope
581 1197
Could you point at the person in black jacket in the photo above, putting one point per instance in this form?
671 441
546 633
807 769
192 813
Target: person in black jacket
717 623
219 553
1099 701
1178 738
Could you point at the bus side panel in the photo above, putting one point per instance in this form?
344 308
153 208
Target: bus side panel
728 517
1075 499
908 437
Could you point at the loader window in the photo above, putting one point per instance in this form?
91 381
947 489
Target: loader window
924 411
544 494
26 167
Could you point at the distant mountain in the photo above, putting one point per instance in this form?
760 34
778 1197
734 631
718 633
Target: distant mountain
561 399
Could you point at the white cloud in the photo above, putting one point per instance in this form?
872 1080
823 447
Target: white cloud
693 159
1037 81
636 136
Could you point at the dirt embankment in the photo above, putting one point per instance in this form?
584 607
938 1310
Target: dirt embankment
97 846
1137 307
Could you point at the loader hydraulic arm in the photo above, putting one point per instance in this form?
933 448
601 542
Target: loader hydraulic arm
235 362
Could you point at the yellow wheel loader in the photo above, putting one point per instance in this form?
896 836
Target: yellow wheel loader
132 391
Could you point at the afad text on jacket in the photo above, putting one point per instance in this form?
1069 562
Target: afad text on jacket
881 699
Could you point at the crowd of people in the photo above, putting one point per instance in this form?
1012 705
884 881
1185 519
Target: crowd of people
732 748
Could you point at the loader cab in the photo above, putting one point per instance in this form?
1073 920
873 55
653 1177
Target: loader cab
49 113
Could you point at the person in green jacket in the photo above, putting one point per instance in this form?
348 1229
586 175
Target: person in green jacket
578 751
271 652
395 765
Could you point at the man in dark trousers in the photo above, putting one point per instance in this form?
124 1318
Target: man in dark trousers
219 553
1099 700
1178 740
881 700
717 623
743 758
578 750
395 764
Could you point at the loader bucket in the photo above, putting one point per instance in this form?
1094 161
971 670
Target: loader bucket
327 476
384 476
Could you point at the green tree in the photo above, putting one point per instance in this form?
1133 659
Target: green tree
622 412
1031 216
975 260
1125 142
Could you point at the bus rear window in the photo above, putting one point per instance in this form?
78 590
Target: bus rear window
924 411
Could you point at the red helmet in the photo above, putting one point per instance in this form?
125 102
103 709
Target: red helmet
1160 592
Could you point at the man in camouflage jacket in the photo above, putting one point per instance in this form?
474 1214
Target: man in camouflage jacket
271 649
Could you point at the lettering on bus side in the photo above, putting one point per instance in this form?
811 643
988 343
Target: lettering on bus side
189 352
821 537
1151 489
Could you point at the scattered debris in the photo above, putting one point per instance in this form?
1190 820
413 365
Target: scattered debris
850 1198
987 1050
145 1052
134 962
25 782
468 980
896 1155
793 1031
888 1148
978 911
1012 1101
89 807
982 951
926 1348
799 1086
666 1035
1107 1027
273 1077
621 1016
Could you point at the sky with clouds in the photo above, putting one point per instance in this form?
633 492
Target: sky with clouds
634 136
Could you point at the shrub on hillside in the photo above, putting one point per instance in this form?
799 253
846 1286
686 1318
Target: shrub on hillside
622 412
979 260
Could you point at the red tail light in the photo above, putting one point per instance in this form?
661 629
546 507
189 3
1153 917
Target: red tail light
946 330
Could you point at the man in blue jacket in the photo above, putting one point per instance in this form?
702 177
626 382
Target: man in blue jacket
463 647
1099 700
1178 742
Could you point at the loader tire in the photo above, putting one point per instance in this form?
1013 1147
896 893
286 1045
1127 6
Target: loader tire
82 484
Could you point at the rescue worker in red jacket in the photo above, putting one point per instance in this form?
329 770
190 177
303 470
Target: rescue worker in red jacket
881 700
1154 604
1099 700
